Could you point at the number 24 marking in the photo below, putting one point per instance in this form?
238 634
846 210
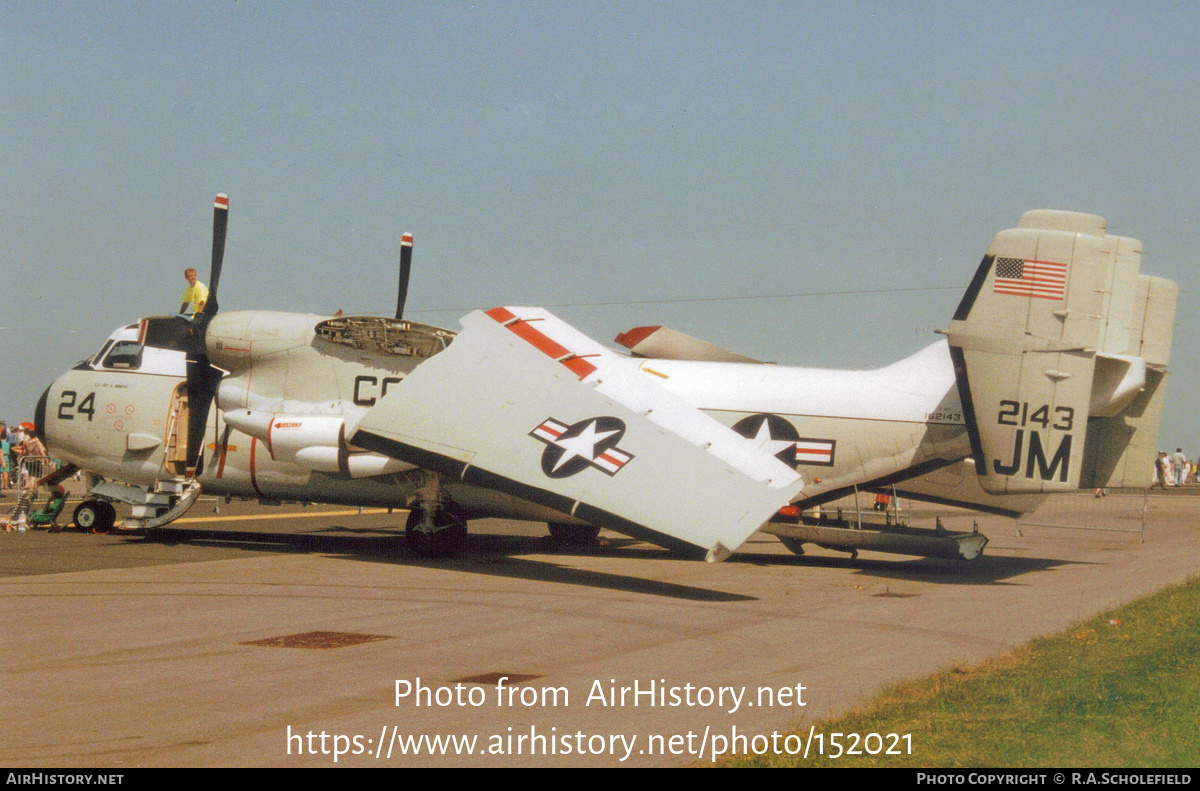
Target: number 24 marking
86 407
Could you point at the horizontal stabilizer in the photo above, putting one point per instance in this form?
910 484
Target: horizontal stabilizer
1122 444
1156 303
527 405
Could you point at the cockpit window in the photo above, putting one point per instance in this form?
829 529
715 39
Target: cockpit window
100 354
125 355
169 332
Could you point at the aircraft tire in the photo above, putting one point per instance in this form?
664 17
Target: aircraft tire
573 535
444 542
795 545
110 516
94 516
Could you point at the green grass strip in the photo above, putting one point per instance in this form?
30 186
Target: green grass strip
1120 690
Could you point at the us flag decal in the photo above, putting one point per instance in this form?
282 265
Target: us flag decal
1041 279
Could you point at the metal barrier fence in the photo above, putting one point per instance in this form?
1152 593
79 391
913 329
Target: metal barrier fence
1118 511
34 468
1109 510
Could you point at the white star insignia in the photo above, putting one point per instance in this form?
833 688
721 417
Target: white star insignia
583 445
768 443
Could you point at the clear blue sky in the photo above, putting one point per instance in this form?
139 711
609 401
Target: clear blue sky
573 154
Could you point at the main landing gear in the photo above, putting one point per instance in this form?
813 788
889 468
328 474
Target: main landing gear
435 533
436 528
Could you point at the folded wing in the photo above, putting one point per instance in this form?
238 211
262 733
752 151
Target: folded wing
523 403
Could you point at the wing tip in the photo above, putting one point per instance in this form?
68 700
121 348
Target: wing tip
632 337
718 553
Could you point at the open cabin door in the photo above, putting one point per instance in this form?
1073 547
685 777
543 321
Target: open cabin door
175 460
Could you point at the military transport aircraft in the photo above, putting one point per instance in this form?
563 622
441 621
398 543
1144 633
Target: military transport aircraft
1050 377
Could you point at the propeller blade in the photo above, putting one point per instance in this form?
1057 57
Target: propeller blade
202 381
202 377
406 250
220 222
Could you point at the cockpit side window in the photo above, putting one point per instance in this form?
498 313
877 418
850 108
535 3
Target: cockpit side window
125 355
170 332
100 354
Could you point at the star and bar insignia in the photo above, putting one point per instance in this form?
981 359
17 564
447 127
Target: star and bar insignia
588 443
779 437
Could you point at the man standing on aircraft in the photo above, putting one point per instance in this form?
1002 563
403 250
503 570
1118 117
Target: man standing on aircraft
196 294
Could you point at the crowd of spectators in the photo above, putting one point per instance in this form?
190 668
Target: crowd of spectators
1173 469
21 442
15 443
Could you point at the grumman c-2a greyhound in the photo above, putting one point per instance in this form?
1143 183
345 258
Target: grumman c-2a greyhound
1050 377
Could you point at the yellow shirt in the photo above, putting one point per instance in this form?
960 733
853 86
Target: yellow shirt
196 295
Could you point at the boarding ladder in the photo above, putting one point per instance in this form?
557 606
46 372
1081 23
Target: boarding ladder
20 512
33 472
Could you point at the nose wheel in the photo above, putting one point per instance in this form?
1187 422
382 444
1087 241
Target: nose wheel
95 516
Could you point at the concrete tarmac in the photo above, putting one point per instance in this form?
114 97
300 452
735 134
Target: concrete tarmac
262 636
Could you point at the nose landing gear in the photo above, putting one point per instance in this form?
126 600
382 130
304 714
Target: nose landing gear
95 516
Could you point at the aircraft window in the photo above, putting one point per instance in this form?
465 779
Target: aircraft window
170 332
100 354
125 355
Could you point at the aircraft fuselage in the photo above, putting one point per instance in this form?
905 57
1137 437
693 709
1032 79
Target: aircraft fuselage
291 394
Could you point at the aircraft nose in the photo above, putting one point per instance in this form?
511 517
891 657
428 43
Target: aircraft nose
39 417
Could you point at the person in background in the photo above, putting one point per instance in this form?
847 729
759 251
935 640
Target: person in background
1160 470
33 445
4 449
31 448
16 447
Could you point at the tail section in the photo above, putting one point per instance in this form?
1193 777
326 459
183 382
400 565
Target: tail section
1058 326
1121 443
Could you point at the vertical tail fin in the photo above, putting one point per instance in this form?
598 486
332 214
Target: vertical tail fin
1052 331
1122 434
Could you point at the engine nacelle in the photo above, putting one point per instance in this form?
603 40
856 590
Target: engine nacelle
313 442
